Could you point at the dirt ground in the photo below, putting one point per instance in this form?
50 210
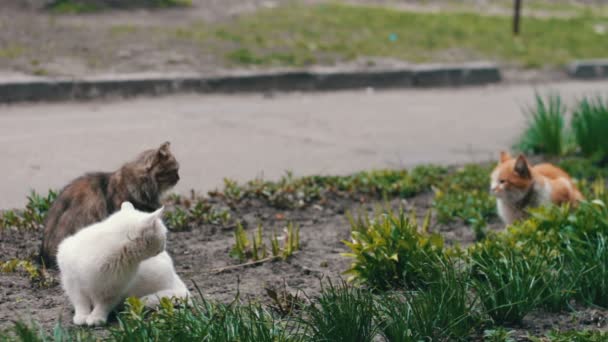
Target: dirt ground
34 42
206 248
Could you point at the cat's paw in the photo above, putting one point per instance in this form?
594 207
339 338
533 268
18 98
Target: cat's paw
80 319
95 320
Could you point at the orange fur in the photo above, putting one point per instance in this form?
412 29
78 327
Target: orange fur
518 185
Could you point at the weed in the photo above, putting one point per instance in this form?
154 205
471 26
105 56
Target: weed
291 192
255 248
32 217
199 321
442 311
342 313
180 219
546 130
509 284
465 194
177 219
498 334
34 333
389 251
590 124
583 168
38 275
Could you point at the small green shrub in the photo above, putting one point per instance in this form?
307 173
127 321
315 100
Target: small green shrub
442 311
390 251
508 283
342 313
590 124
589 256
546 129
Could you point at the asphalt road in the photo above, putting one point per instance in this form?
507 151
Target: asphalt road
43 146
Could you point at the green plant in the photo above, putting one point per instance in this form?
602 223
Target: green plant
32 217
583 168
546 130
177 219
34 333
201 320
499 334
508 283
590 124
185 215
38 275
342 313
441 311
255 248
391 251
464 195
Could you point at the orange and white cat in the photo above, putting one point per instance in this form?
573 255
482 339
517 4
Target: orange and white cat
517 185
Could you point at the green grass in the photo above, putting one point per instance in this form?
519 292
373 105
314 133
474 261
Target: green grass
83 6
589 125
546 128
509 284
301 35
342 314
441 311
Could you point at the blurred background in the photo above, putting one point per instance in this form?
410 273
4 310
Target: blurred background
264 134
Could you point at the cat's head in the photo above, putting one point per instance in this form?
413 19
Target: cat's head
512 178
147 229
160 164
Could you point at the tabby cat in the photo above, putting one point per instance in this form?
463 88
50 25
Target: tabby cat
95 196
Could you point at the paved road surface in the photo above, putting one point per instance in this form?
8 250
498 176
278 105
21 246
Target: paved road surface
44 146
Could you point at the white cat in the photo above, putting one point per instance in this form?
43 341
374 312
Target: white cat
122 256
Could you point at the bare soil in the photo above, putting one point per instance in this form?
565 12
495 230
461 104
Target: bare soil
199 252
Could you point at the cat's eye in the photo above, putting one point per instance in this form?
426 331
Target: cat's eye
502 181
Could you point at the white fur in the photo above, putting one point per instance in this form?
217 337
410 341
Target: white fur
506 200
116 258
155 279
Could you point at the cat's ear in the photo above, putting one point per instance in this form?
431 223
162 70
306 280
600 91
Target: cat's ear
158 214
521 167
163 150
154 216
504 156
127 206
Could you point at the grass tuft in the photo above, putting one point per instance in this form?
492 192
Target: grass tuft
590 124
546 130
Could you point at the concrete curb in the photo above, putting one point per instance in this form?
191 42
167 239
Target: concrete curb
43 89
589 69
